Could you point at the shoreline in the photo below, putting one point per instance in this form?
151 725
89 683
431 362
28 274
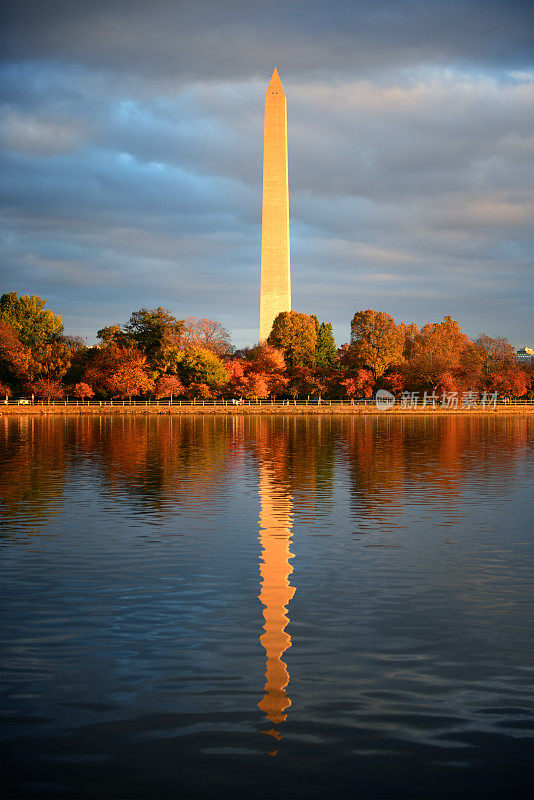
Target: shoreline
263 410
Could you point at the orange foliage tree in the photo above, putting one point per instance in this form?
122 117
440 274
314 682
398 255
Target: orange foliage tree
48 389
377 343
256 386
437 349
83 390
119 372
15 357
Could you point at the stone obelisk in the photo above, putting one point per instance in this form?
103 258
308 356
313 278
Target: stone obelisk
275 293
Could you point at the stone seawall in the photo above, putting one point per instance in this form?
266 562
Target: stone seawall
254 409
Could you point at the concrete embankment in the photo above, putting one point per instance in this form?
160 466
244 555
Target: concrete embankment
264 409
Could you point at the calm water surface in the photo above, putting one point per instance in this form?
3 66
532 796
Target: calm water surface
267 607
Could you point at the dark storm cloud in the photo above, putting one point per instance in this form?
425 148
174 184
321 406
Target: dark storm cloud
226 40
132 140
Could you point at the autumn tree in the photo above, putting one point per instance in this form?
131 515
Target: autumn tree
52 360
360 384
256 386
394 382
147 329
376 341
114 334
448 382
310 382
168 386
265 358
5 391
495 353
295 335
119 371
237 382
167 360
15 356
83 390
438 348
198 391
206 333
48 389
509 382
33 323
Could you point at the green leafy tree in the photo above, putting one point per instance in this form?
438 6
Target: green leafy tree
34 324
149 328
325 346
201 366
114 334
295 335
376 341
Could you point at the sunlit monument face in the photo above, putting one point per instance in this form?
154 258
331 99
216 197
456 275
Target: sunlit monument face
275 294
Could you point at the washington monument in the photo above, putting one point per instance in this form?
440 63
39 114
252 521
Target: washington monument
275 292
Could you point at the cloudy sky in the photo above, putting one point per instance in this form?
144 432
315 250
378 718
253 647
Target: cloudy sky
131 138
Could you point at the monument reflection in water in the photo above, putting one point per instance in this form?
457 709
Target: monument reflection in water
276 592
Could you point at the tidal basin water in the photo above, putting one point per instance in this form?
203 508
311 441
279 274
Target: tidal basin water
260 607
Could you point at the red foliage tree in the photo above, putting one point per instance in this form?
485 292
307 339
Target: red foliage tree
509 383
168 386
395 382
14 356
447 382
359 385
119 371
82 390
48 389
198 391
437 348
5 390
237 382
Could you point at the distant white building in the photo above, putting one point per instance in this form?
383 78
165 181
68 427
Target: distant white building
525 355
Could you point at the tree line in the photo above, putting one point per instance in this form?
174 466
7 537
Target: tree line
154 354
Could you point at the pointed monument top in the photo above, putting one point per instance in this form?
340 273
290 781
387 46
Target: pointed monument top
275 84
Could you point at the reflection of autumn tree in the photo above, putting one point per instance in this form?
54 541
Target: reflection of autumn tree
392 456
158 458
32 466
